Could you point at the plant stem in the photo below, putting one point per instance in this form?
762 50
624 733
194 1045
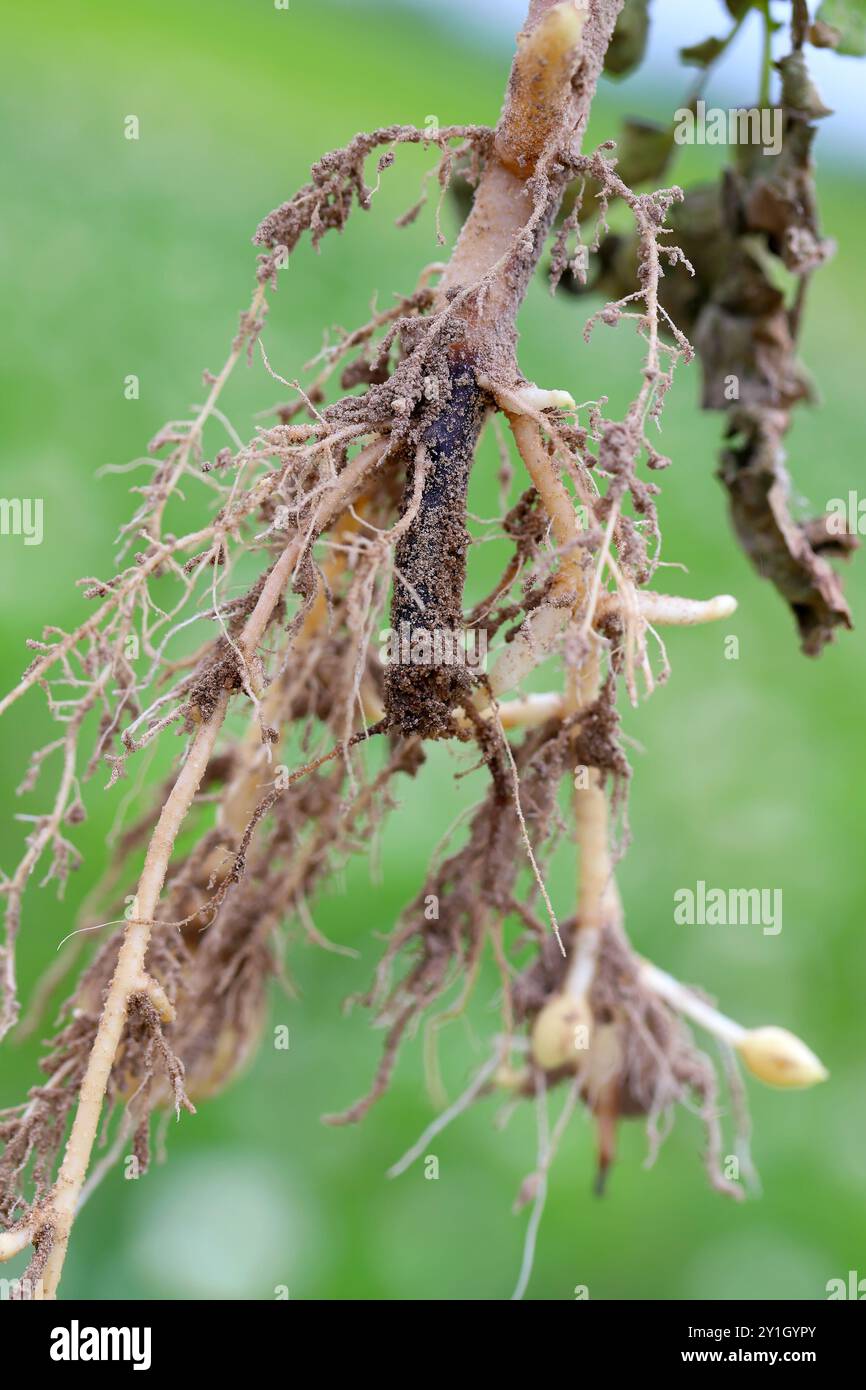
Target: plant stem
766 55
493 262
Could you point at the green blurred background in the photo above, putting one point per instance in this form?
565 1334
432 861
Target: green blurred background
123 257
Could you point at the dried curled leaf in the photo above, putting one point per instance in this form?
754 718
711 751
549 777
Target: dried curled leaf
753 472
781 203
743 335
799 92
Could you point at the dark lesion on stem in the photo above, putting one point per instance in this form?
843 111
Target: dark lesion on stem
421 691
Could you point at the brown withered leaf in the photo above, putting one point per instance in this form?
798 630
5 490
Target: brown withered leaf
743 336
779 548
781 203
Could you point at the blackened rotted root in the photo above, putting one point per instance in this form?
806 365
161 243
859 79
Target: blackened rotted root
431 564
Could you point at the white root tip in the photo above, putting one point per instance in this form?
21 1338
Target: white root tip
780 1059
682 612
529 400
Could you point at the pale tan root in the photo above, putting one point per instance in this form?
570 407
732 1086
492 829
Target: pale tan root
130 976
